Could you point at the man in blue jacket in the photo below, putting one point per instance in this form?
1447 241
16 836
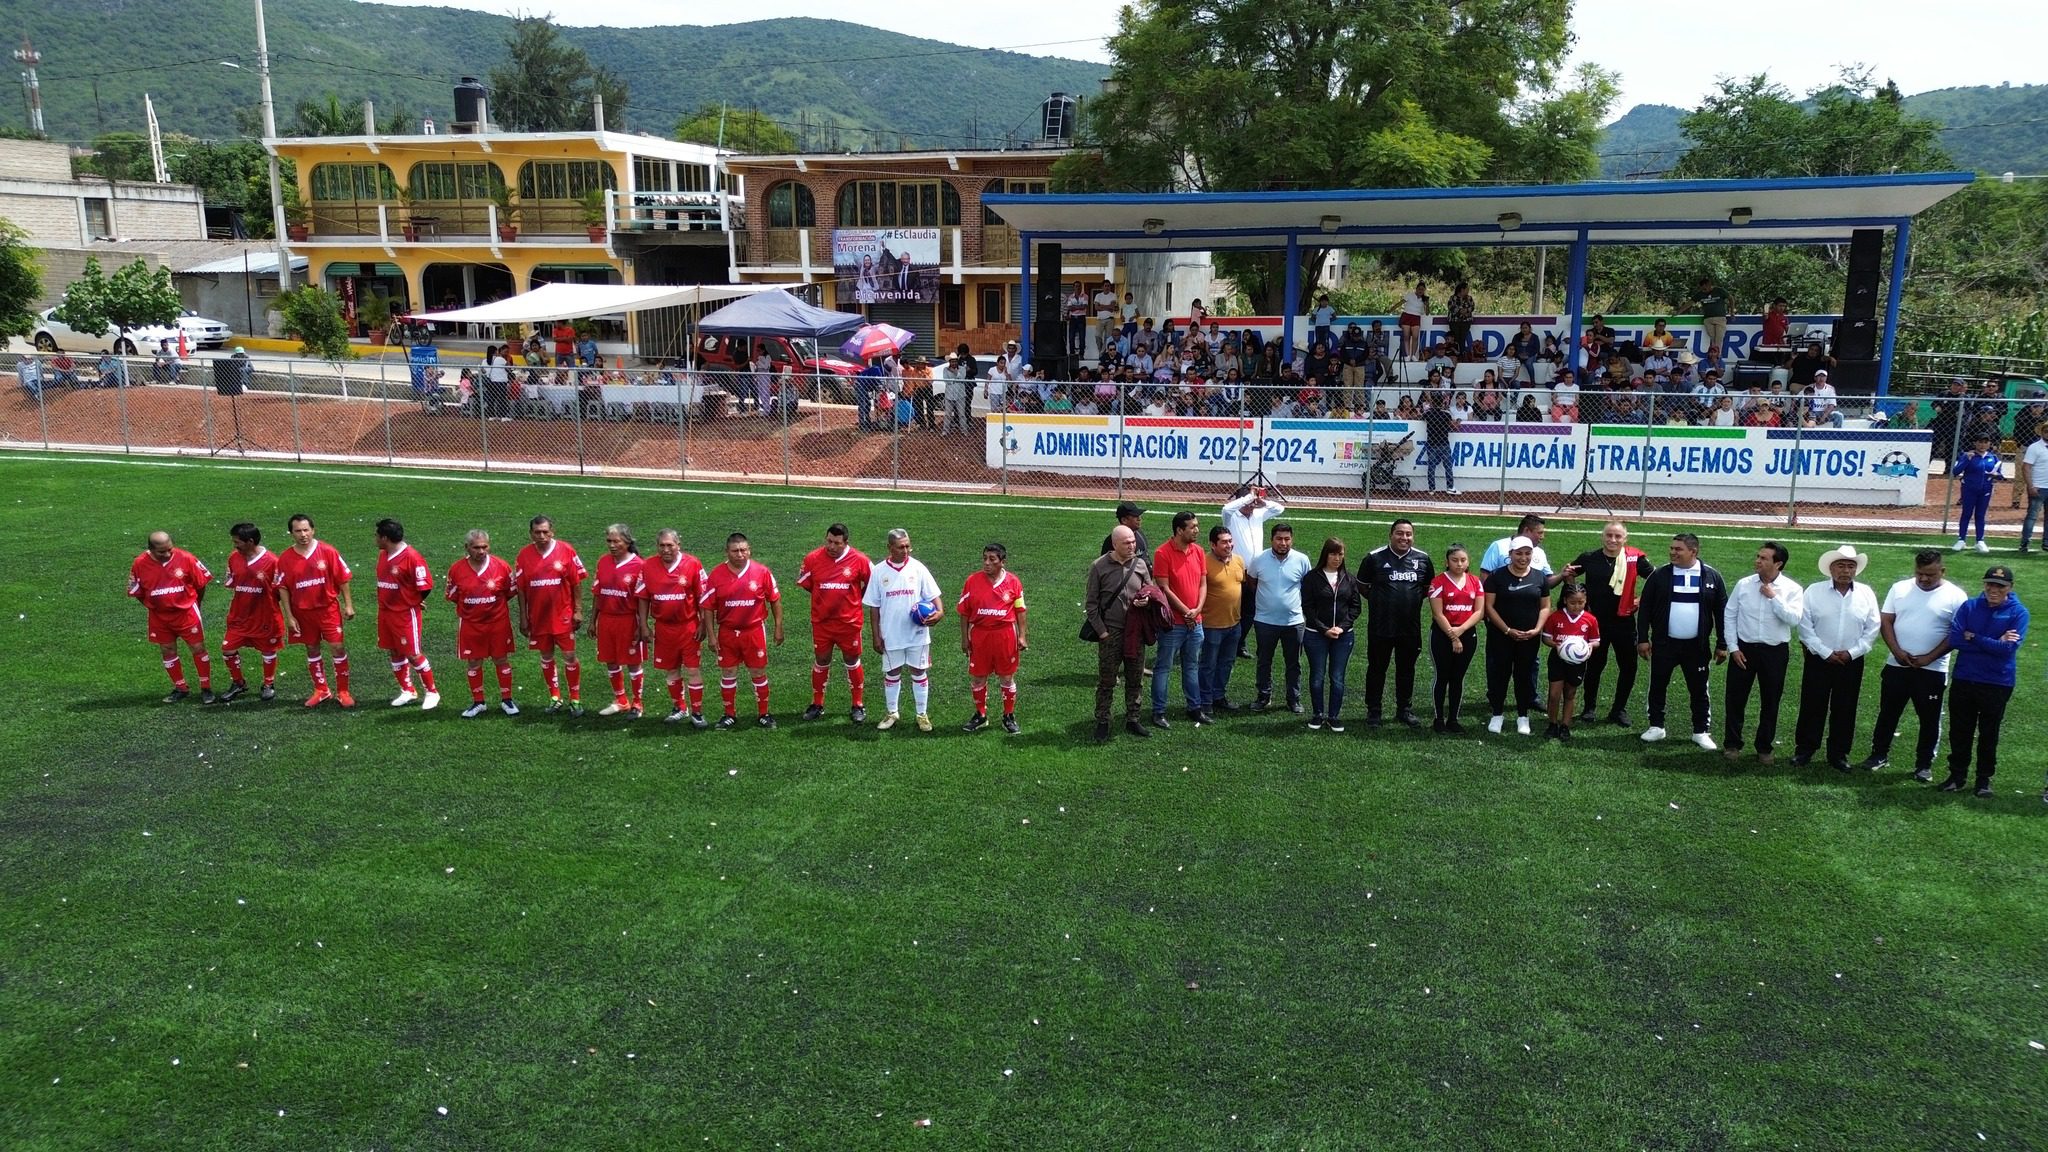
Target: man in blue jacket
1986 635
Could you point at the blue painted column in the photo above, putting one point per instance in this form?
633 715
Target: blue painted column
1575 296
1024 286
1291 298
1900 241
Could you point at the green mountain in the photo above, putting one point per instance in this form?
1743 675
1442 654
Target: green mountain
877 89
1986 128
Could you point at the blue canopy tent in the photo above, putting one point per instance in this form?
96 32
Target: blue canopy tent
1822 210
779 314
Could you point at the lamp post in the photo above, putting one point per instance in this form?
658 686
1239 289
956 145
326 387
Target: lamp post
284 256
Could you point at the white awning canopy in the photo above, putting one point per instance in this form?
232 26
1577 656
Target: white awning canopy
574 301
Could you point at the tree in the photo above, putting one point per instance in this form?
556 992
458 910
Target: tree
84 307
1752 127
136 296
313 314
21 282
547 85
744 130
231 174
1238 95
328 116
117 156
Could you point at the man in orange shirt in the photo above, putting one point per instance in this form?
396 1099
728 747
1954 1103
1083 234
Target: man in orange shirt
170 582
1181 568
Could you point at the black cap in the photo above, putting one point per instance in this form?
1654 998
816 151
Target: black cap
1998 574
1128 509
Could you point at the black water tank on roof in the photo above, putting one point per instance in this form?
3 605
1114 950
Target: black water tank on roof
469 98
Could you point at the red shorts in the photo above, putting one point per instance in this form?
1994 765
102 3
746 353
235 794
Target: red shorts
399 632
618 639
844 637
484 643
170 630
677 646
748 646
550 641
992 652
324 625
266 643
1408 321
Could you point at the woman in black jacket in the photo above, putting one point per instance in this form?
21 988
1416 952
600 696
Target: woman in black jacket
1329 609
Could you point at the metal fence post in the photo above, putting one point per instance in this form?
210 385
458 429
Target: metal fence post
291 374
895 437
1371 446
1955 452
1122 400
1506 422
683 425
1649 430
384 387
121 401
782 410
576 386
1798 465
483 422
206 417
43 417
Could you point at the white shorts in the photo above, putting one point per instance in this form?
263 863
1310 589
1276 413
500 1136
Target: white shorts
917 656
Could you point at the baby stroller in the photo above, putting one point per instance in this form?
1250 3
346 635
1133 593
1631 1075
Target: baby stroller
1379 474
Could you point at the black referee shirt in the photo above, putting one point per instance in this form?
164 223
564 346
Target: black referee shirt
1396 587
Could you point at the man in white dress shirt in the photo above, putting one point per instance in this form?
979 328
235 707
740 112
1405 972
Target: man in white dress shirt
1914 626
1762 610
1839 626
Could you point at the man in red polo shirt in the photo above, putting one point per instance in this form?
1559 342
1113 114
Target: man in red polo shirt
314 579
548 579
836 575
170 583
1181 568
670 587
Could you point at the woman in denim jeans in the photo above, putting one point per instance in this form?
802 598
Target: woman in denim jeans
1329 607
1524 348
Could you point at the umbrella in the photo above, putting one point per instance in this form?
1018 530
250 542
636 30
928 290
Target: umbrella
877 340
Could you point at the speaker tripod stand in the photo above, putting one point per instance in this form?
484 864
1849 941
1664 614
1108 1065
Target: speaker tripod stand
1586 494
236 442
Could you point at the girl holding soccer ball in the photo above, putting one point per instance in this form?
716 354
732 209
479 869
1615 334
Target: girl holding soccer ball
1571 633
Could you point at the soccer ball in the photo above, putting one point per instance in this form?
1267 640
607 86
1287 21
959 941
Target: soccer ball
1574 649
925 614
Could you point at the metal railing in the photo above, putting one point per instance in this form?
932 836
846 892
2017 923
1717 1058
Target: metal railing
1674 457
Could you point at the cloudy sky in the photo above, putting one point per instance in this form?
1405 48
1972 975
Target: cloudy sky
1666 53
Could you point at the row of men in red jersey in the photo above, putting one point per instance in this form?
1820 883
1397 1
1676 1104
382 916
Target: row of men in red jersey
665 608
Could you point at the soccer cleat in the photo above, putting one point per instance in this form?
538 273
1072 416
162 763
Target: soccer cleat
344 699
765 722
1959 546
924 722
206 696
1494 724
1010 723
1874 764
268 693
430 701
235 691
633 713
1924 775
676 717
1521 725
859 715
554 705
508 707
728 722
177 696
575 709
975 723
1984 548
814 712
319 697
887 722
697 720
403 698
1653 733
475 710
611 709
1705 741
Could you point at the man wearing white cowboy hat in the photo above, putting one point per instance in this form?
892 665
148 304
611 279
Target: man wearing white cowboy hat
1839 625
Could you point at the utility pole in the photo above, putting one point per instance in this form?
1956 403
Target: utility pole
31 88
284 254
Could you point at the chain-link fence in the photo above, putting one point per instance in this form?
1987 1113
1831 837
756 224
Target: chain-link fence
1760 455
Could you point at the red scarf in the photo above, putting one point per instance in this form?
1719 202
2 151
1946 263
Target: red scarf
1627 563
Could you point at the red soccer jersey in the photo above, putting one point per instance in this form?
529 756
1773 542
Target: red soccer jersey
1558 625
739 600
549 585
253 609
482 599
836 586
402 580
672 594
616 580
1459 601
312 582
991 603
169 589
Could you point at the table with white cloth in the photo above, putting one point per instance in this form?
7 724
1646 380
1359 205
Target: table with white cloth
621 400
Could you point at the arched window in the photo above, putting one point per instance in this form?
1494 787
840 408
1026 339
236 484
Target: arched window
563 179
442 180
371 183
790 206
898 204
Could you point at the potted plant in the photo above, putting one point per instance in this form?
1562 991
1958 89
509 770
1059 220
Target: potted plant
405 224
298 218
592 204
376 317
502 197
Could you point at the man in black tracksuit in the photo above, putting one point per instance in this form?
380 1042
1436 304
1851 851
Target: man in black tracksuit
1396 579
1680 626
1612 597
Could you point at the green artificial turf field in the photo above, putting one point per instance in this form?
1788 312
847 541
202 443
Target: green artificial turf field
257 928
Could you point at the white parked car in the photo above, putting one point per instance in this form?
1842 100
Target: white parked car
200 332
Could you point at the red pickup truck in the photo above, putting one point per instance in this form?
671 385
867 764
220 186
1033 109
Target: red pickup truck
720 354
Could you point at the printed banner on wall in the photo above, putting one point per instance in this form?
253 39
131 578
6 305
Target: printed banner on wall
887 265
